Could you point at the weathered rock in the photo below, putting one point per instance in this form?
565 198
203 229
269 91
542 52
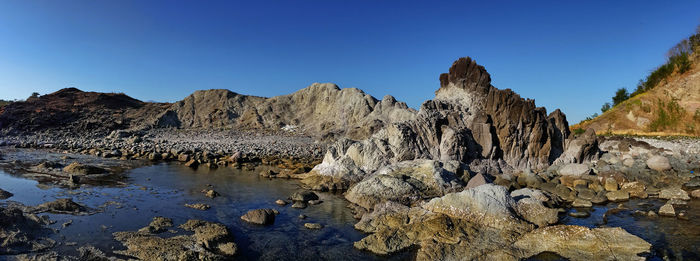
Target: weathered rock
281 202
575 169
260 216
659 163
636 189
210 193
5 194
581 149
532 210
673 193
21 233
667 210
405 182
488 201
78 168
610 184
192 164
61 206
313 225
616 196
157 225
581 203
299 204
695 193
581 243
476 181
304 196
198 206
211 241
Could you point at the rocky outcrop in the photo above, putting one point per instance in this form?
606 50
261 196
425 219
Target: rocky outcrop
406 182
484 223
321 110
469 121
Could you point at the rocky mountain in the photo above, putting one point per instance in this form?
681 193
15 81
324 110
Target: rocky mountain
321 110
470 122
670 108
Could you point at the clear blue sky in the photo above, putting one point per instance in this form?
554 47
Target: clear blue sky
562 54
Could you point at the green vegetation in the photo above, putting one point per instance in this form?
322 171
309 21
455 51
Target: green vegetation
620 96
4 102
678 60
668 115
579 131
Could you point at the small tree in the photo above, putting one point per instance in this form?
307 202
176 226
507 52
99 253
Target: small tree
605 107
34 95
620 96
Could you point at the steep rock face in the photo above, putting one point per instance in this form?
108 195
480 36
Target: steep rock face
321 110
526 136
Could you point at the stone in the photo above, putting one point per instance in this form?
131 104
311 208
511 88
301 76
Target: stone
476 181
616 196
157 225
586 194
629 162
299 204
667 210
198 206
61 206
581 203
488 201
695 193
658 163
579 214
673 193
192 164
5 194
260 216
82 169
575 169
313 225
610 184
636 189
315 202
582 243
303 196
183 158
281 202
210 241
405 182
210 193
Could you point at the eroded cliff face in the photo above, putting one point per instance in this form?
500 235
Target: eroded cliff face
469 121
321 110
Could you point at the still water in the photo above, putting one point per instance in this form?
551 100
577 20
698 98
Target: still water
162 190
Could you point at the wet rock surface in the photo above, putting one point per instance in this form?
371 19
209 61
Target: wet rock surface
209 241
260 216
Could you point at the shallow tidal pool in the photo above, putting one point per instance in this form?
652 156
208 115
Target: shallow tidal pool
164 189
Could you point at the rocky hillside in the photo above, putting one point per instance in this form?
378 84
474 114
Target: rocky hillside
670 108
320 110
74 111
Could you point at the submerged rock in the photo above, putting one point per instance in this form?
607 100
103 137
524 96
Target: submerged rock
83 169
61 206
211 241
198 206
157 225
313 225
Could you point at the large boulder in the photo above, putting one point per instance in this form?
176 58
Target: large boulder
581 149
405 182
658 163
581 243
260 216
575 170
